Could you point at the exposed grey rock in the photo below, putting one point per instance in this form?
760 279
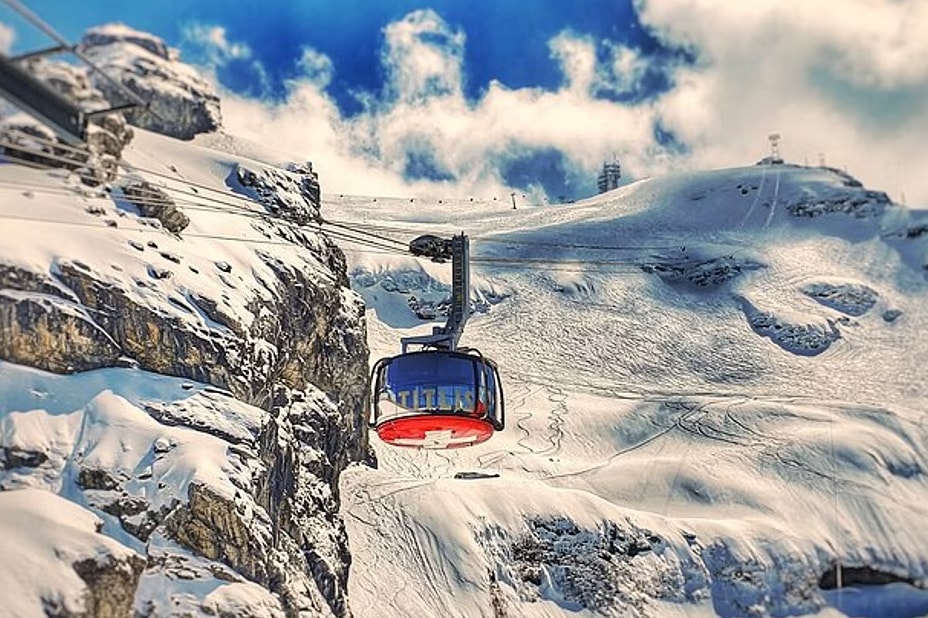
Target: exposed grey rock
63 336
51 333
861 205
111 584
332 353
293 343
891 315
96 478
181 104
153 202
849 298
739 584
289 544
916 230
11 457
427 298
92 575
802 339
291 195
614 570
117 33
79 321
211 525
701 271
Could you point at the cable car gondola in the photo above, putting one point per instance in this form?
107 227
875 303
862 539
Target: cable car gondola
437 399
439 396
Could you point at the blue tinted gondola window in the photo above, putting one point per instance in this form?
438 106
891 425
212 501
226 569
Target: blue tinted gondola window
487 391
430 382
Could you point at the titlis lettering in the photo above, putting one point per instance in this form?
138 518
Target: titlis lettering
435 398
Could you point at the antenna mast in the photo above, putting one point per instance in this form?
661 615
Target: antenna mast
775 148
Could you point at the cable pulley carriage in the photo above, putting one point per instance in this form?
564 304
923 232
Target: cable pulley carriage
439 395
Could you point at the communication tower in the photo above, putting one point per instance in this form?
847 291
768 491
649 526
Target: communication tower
775 148
610 176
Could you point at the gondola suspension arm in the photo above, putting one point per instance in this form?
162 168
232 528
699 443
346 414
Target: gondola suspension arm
458 249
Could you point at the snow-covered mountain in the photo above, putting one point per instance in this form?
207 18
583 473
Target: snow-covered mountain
715 389
716 395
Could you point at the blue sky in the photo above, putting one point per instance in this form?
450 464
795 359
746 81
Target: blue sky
487 95
508 39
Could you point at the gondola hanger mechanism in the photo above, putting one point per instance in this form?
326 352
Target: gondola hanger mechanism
439 395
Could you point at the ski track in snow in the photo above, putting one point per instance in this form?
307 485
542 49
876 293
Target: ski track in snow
773 204
756 200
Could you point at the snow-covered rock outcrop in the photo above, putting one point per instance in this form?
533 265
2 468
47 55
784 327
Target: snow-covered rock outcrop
65 567
181 103
196 380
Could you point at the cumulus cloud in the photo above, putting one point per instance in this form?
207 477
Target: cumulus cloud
849 83
600 68
7 37
215 43
209 46
421 134
577 57
315 67
624 69
423 57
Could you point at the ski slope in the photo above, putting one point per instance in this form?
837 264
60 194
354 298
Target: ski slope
715 393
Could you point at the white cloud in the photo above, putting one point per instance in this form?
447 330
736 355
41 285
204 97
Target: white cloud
577 57
316 67
7 36
624 70
849 82
584 73
423 114
212 39
211 48
423 57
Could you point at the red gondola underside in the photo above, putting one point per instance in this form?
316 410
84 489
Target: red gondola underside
436 431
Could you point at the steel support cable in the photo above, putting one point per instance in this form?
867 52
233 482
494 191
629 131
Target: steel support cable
128 167
357 231
382 227
556 245
224 207
225 196
396 229
550 266
263 216
383 251
242 201
578 262
145 229
267 217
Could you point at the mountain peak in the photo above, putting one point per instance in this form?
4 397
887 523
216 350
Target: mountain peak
181 103
107 34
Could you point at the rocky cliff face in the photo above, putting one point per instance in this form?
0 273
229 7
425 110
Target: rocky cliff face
181 103
272 343
188 369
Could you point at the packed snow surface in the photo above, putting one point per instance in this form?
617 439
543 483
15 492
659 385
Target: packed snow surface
715 387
